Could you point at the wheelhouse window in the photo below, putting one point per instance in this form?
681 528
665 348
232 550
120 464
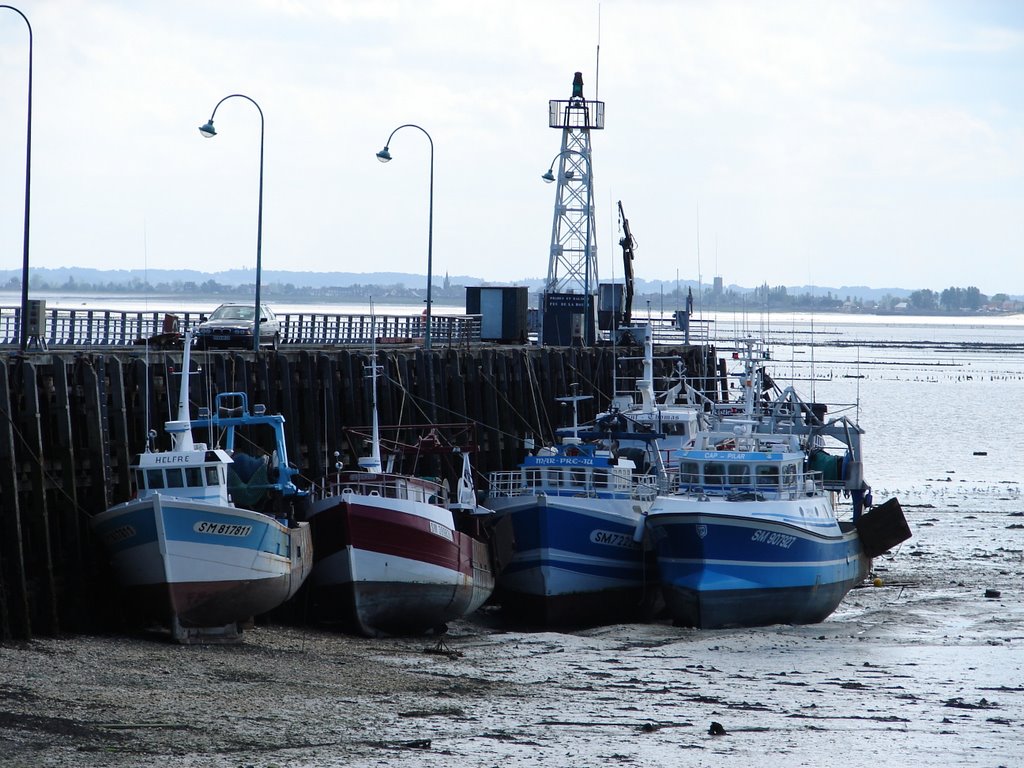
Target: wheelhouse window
155 478
194 477
739 474
768 476
714 473
174 478
212 475
676 429
789 476
689 473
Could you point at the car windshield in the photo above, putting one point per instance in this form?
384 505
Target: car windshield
232 313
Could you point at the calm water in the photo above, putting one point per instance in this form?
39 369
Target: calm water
938 399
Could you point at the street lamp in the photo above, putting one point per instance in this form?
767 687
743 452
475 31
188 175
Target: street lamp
548 177
385 157
209 132
28 187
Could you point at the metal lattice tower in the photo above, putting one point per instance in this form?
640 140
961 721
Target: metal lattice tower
570 268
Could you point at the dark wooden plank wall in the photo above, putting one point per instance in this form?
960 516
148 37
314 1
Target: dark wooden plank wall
72 423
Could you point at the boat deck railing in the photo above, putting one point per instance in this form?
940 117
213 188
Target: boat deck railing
386 486
806 485
121 328
525 482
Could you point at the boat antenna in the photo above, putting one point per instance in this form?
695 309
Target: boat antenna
372 463
857 410
813 371
597 66
700 285
150 434
327 456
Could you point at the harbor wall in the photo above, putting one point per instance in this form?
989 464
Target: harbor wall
72 424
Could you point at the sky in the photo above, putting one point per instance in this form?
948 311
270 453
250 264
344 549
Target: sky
828 142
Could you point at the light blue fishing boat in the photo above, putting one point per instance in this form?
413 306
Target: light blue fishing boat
188 555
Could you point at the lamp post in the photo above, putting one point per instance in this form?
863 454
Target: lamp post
28 188
548 177
385 156
209 132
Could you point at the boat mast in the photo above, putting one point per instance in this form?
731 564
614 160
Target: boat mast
646 383
181 430
574 439
372 463
747 381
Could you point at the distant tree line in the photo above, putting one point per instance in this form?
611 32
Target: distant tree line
778 298
775 298
953 299
395 293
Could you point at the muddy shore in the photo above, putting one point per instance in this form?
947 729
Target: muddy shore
924 670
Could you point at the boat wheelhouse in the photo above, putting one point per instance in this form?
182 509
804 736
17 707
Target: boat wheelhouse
577 470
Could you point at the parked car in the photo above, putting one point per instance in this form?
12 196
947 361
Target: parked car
230 326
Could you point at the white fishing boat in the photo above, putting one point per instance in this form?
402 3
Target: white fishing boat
187 556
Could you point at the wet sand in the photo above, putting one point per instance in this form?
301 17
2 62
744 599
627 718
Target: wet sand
923 670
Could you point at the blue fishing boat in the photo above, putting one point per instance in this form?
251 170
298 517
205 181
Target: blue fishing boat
752 535
188 555
569 533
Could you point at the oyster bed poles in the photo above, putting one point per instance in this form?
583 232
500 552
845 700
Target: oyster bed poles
209 132
385 157
28 187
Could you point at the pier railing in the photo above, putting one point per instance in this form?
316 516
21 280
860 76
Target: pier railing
61 328
117 328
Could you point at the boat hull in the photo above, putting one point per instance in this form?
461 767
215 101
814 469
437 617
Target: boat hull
191 565
387 566
721 570
574 561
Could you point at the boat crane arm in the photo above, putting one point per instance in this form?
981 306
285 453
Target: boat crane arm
628 243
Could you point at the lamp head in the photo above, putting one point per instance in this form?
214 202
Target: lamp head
548 177
384 155
208 130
